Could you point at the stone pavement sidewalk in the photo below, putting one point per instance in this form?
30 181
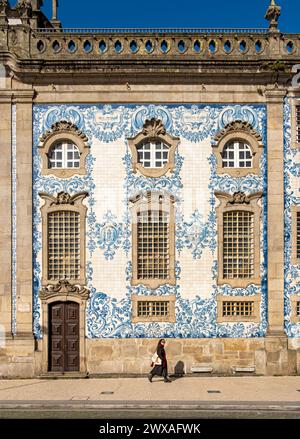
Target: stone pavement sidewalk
187 397
197 389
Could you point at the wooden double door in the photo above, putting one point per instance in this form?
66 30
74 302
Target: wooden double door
64 337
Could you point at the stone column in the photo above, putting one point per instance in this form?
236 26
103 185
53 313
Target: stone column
276 341
5 217
23 100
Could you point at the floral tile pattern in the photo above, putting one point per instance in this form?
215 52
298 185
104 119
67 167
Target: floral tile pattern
291 272
109 235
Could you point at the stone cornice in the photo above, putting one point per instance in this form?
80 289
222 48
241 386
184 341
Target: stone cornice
275 95
43 54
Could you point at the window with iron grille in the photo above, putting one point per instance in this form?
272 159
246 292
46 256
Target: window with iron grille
63 245
298 309
237 154
153 244
153 154
238 244
239 309
64 155
298 123
298 235
153 309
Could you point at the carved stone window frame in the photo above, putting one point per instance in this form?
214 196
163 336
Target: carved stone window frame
153 200
294 298
171 318
64 291
63 202
153 130
295 102
255 318
63 131
239 201
294 210
243 132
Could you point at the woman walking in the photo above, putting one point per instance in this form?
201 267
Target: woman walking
160 364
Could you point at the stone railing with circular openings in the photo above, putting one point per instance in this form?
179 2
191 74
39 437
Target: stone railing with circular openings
149 30
74 44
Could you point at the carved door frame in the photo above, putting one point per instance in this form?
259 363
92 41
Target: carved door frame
45 328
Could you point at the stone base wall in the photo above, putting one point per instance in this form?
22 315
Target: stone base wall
270 356
17 358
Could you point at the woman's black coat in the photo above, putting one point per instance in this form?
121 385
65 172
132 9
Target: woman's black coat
160 369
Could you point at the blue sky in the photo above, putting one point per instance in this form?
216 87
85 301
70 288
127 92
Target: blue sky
174 13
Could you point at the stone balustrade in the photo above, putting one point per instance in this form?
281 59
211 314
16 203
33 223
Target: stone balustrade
198 45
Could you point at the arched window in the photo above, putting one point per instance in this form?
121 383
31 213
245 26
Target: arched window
153 150
63 150
237 154
238 149
64 155
153 154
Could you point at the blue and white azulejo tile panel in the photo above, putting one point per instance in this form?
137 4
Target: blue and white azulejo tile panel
110 182
291 198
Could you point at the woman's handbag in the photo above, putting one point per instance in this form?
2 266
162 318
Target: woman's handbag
155 360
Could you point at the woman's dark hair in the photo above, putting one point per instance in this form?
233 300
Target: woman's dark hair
159 343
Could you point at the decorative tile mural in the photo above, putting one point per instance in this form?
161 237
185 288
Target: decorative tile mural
292 197
108 231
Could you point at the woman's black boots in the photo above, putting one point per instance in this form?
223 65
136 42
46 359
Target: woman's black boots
150 377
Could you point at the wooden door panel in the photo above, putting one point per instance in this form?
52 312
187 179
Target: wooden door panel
64 337
72 336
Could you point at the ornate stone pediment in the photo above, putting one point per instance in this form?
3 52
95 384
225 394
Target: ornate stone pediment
151 197
238 198
153 128
238 126
63 198
63 127
63 287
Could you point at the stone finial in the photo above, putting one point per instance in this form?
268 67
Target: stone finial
4 7
272 15
37 4
54 20
24 8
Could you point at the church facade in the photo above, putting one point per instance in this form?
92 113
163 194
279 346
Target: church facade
150 188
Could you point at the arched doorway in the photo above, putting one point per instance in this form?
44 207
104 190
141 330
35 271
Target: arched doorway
64 327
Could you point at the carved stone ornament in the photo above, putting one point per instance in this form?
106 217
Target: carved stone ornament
273 14
63 126
238 198
238 126
153 128
4 7
63 287
63 198
24 8
151 197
